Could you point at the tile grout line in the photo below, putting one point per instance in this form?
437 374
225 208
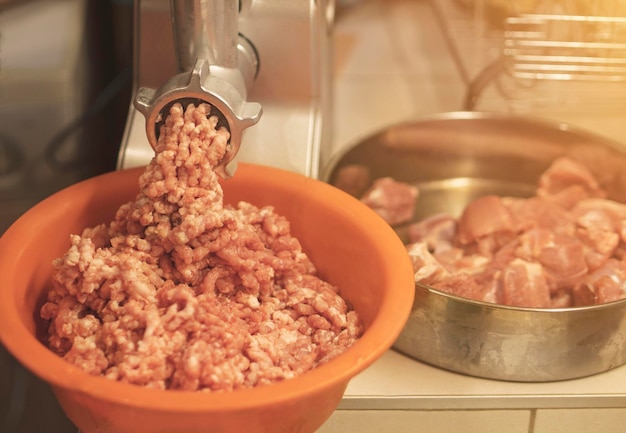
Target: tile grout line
531 421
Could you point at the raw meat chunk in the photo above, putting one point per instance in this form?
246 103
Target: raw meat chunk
563 247
394 201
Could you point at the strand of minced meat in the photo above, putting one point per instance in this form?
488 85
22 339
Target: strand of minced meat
182 292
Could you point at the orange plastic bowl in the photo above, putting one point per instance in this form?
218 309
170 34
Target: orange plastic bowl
351 246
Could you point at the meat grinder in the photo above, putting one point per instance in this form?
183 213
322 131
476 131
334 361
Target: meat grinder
263 65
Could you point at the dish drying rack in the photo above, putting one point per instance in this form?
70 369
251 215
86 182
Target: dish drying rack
538 54
565 47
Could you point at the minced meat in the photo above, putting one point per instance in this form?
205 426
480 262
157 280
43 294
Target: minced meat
181 291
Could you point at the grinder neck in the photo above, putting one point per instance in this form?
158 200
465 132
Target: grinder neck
216 65
208 29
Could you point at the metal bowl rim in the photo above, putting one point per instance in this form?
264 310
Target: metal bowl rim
469 115
492 306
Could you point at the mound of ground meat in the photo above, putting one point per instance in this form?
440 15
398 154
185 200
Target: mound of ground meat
183 292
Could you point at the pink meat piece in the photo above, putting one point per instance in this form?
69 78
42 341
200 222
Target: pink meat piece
568 197
482 217
465 286
562 257
488 223
394 201
353 179
431 271
437 231
428 270
524 284
455 260
565 172
601 225
542 212
490 275
561 299
605 284
608 214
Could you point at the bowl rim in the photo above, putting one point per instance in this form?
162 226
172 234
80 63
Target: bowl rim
468 116
378 338
425 288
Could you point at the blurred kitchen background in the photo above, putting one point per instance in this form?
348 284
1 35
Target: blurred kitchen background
65 90
65 80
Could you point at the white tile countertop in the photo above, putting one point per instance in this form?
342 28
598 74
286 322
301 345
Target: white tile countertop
392 64
399 382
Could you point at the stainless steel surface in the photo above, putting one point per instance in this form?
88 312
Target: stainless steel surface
205 30
452 158
289 42
206 44
200 85
514 344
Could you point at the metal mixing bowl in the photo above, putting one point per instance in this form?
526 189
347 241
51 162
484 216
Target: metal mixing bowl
453 158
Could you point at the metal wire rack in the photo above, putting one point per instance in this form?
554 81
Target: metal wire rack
539 53
565 47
